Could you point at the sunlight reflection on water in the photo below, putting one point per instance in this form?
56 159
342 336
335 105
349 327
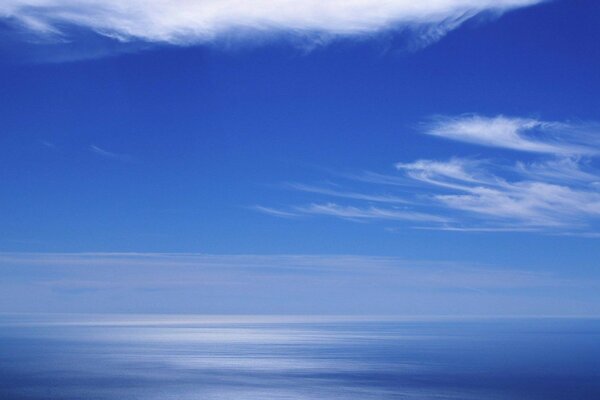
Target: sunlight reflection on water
195 357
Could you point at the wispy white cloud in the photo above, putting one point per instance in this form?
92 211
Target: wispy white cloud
274 212
535 202
109 154
454 173
377 198
555 190
49 145
184 22
523 134
379 178
574 169
553 194
368 213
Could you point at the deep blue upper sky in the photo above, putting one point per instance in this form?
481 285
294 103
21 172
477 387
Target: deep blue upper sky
269 147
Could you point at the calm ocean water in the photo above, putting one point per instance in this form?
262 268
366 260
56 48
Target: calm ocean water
248 358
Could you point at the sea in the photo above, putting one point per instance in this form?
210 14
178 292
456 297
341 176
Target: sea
185 357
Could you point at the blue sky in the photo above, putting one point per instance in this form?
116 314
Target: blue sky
445 136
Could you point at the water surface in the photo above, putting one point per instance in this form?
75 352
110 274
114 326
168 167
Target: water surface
248 358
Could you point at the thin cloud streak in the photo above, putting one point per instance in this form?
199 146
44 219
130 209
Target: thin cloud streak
347 195
368 213
274 212
186 22
62 269
251 284
108 154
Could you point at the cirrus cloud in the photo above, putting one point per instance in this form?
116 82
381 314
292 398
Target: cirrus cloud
184 22
523 134
555 189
